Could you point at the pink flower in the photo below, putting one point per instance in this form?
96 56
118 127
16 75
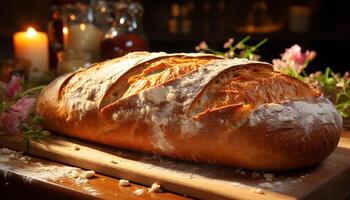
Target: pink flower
9 122
22 107
310 55
228 43
293 58
18 112
202 46
13 86
292 53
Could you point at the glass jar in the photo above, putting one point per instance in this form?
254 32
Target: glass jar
81 37
80 34
126 34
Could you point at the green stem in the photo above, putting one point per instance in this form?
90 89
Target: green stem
259 44
245 39
214 52
40 87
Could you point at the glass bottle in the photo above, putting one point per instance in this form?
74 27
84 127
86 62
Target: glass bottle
126 34
55 35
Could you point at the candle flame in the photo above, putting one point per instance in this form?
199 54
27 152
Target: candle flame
82 27
31 32
65 30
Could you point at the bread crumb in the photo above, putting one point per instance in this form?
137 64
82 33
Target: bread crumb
138 192
12 156
88 174
124 183
268 177
25 159
259 191
76 147
155 188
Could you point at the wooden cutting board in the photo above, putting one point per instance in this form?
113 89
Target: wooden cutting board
329 180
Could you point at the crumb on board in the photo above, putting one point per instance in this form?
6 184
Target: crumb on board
88 174
155 188
124 183
259 191
138 192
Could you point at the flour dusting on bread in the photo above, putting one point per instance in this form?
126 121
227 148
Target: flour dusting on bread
296 114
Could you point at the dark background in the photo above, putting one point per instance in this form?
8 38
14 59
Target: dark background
213 21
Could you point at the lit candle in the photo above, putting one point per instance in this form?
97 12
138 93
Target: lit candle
65 36
33 46
82 37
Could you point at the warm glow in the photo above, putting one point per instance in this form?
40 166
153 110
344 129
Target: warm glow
72 17
82 27
31 32
65 30
122 20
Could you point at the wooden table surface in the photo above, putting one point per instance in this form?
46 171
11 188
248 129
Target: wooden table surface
14 185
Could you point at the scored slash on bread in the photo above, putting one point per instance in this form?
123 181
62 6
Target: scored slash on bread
195 107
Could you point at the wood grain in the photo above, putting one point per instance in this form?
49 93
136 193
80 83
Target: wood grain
198 180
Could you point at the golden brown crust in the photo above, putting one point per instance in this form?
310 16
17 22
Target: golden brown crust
195 107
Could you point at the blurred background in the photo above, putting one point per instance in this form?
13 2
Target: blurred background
179 25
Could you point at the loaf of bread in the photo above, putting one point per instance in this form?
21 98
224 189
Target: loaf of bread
195 107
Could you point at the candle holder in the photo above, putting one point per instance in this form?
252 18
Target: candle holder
10 67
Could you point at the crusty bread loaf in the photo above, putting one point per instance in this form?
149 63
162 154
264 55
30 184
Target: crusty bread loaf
196 107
